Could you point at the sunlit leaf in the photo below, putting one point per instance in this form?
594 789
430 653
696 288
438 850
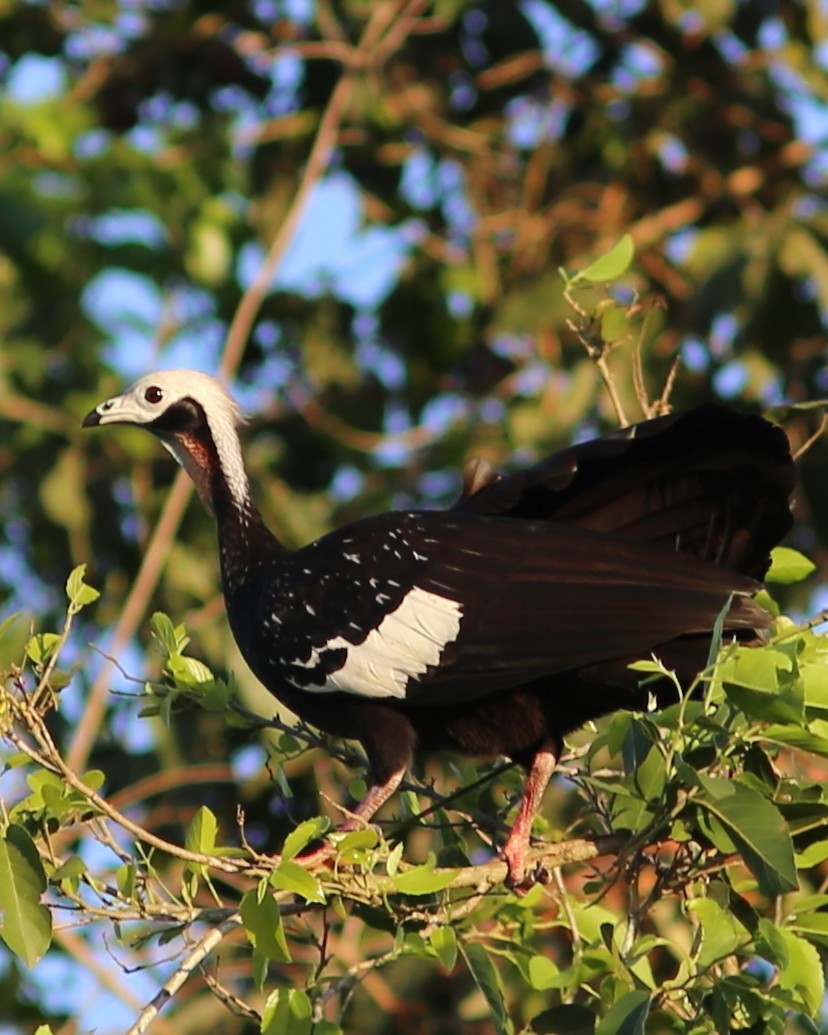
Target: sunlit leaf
27 925
302 835
290 876
80 594
611 265
803 973
443 941
287 1012
788 565
423 880
262 921
543 973
722 934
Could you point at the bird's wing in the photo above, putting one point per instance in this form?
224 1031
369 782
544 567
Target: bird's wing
437 608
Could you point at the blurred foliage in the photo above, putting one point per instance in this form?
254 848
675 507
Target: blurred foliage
148 156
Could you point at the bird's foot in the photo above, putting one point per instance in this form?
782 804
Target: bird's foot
522 875
514 855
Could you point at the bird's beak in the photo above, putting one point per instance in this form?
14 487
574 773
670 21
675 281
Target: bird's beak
120 409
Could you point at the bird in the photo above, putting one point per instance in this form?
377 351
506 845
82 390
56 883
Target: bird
500 624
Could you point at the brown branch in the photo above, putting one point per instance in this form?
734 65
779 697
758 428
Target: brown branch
318 161
48 758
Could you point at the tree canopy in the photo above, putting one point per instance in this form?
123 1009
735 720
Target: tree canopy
408 233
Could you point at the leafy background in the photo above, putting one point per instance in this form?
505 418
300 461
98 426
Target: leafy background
358 212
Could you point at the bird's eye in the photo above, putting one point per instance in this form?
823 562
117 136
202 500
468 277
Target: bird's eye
153 394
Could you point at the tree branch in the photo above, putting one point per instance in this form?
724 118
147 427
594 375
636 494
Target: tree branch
194 957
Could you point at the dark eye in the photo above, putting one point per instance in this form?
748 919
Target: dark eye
153 394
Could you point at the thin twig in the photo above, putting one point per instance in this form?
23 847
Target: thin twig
605 372
806 445
51 761
79 949
193 959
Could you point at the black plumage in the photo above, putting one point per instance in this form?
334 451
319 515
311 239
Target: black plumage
496 626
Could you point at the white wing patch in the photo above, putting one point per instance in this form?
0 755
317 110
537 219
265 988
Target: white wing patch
405 643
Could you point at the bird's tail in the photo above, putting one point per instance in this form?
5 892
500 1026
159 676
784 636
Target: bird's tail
710 483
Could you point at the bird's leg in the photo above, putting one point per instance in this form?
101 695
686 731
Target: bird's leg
388 741
517 844
376 796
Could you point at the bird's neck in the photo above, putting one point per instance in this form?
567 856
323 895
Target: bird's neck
245 542
212 456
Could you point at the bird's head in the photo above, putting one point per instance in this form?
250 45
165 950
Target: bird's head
194 417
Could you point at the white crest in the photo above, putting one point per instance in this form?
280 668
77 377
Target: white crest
405 643
151 396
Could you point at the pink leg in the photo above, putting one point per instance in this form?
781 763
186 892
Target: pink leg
517 843
373 801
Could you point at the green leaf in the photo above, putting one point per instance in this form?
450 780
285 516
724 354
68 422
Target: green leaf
626 1016
612 264
126 878
757 668
487 980
7 623
615 324
263 923
788 565
70 871
722 934
290 876
760 682
443 941
392 863
543 973
201 835
757 828
27 925
809 739
94 779
423 880
803 973
287 1012
189 672
815 686
303 834
813 855
172 640
643 791
79 593
775 948
355 840
41 646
